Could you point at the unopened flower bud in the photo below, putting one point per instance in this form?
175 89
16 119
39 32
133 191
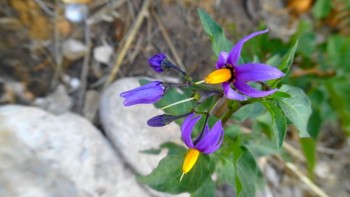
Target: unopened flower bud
156 62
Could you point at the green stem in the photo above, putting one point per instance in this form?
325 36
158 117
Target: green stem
179 102
233 107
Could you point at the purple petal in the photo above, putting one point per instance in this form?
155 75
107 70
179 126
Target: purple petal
236 50
203 133
257 72
231 94
222 59
187 127
211 139
212 149
250 91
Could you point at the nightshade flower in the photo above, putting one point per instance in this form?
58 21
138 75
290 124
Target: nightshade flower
228 71
207 142
157 61
149 93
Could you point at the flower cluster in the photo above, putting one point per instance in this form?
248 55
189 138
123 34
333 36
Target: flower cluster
234 79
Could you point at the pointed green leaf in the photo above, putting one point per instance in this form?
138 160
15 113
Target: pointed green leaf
246 172
279 122
206 190
216 34
297 108
309 148
285 64
166 176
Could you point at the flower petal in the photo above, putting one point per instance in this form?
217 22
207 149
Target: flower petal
236 50
257 72
187 127
212 149
222 59
211 138
231 94
218 76
250 91
203 133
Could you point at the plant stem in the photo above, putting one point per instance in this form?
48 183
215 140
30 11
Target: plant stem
179 102
232 108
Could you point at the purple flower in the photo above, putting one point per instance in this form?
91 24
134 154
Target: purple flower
156 62
149 93
239 75
208 141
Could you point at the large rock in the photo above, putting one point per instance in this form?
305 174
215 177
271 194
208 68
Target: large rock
46 155
128 130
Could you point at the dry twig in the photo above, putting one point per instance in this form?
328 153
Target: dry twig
128 40
312 186
168 40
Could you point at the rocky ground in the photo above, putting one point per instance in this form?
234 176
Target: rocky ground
63 128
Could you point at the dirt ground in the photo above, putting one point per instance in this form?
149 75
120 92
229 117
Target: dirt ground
41 49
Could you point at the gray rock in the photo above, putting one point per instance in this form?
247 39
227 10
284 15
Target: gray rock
46 155
57 102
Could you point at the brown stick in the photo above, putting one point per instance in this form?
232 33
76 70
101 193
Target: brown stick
129 39
168 40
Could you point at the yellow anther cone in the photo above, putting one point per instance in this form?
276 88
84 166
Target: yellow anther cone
218 76
190 160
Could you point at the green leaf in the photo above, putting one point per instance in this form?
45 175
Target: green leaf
206 190
309 148
246 172
339 91
166 176
297 108
338 53
285 64
279 123
216 34
173 148
321 8
226 172
279 94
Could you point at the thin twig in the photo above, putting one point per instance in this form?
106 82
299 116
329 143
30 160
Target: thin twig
57 44
84 72
312 186
43 6
168 40
293 151
97 16
129 39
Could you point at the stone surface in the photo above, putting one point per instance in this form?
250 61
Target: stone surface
57 102
46 155
127 127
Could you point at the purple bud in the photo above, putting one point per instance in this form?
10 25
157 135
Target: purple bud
157 121
149 93
156 62
164 119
